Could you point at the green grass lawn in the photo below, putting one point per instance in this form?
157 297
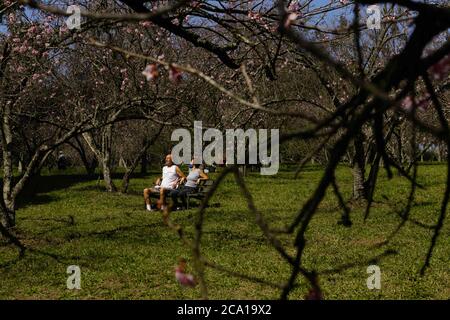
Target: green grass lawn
125 252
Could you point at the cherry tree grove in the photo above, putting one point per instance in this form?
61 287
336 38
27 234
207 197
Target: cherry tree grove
343 84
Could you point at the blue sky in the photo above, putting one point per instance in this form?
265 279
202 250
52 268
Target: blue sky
332 18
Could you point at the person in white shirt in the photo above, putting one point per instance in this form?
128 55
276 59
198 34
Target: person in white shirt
171 177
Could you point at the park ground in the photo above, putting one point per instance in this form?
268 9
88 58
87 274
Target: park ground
125 252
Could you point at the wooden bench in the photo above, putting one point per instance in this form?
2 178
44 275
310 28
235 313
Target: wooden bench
203 188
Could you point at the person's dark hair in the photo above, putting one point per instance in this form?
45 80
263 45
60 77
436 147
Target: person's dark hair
196 165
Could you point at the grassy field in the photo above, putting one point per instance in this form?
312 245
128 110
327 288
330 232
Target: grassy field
125 252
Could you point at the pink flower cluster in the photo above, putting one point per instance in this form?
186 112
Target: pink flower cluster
440 70
195 4
257 17
34 40
151 73
145 24
254 16
290 19
182 277
175 75
125 81
422 102
294 7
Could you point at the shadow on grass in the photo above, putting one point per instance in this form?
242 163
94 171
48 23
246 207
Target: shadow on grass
105 234
69 222
373 260
70 219
113 232
36 199
12 262
35 192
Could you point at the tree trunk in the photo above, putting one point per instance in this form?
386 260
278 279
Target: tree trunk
7 234
110 187
144 159
242 170
439 152
400 148
8 215
358 170
106 163
20 168
103 155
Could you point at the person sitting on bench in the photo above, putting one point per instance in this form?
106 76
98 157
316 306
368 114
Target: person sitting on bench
171 177
195 176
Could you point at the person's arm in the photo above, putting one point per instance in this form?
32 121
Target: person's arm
203 176
158 181
180 174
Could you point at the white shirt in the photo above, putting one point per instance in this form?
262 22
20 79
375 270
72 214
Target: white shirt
169 177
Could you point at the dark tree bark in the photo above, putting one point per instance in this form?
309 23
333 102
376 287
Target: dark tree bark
90 166
144 160
195 39
141 154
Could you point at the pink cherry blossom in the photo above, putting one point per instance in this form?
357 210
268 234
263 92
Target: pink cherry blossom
23 49
407 103
145 24
421 102
175 75
440 70
151 72
32 30
290 19
294 6
195 4
254 15
183 278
